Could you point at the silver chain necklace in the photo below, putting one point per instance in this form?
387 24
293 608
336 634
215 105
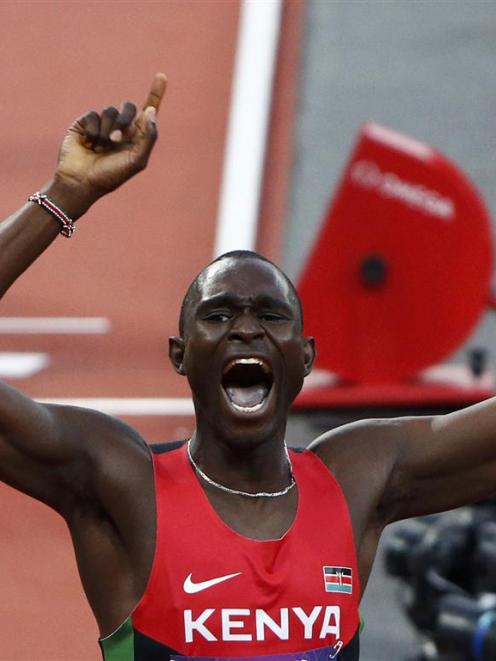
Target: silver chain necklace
259 494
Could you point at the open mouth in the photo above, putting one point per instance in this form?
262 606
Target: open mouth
247 383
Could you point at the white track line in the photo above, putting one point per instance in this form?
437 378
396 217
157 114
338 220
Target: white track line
130 405
247 128
54 325
17 365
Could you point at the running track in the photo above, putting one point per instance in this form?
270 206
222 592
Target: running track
133 255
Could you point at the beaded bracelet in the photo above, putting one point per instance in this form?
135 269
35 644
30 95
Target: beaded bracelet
67 224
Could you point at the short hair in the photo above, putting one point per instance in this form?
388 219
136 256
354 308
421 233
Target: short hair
193 292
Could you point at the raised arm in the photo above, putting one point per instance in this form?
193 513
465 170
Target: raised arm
99 153
444 461
417 465
44 450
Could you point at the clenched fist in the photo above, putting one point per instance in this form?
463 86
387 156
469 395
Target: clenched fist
102 151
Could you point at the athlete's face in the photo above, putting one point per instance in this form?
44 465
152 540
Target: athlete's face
243 350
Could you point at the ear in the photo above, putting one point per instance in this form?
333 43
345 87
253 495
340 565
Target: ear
309 353
176 353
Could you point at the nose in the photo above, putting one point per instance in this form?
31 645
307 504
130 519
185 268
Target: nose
246 328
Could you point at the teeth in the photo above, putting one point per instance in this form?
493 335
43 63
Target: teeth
247 361
248 409
253 361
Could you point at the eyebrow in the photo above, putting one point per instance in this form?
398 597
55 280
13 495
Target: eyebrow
265 300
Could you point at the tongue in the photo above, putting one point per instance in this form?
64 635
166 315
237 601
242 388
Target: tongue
247 395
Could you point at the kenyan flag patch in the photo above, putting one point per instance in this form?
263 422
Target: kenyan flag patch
338 579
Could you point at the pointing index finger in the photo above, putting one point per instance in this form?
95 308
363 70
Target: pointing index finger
156 92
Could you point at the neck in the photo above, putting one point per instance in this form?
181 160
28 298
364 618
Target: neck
238 492
244 464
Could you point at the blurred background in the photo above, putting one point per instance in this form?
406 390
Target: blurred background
89 322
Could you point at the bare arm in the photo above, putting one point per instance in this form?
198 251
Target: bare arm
416 465
51 452
445 461
99 153
65 455
29 231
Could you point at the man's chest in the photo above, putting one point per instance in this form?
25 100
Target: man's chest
214 591
217 592
257 519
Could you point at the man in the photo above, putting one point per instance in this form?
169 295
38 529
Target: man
226 546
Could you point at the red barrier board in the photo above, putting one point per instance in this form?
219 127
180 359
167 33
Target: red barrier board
400 271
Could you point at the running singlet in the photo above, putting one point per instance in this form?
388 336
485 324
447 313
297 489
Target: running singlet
214 594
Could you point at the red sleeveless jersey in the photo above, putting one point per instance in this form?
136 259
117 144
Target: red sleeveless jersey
213 593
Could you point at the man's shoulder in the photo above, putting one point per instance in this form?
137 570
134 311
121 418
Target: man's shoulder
361 443
101 437
166 446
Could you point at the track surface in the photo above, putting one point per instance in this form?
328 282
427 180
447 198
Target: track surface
132 256
130 261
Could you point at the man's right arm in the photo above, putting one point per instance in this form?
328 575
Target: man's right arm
43 448
99 153
68 457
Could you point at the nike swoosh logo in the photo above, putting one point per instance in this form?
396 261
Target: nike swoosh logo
191 588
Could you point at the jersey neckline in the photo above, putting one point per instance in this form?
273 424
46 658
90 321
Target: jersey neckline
219 521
